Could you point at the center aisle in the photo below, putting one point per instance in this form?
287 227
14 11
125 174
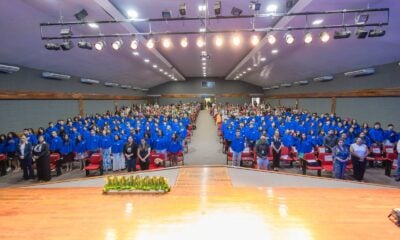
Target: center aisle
205 148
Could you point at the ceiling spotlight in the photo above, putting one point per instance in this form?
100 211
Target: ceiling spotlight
204 63
154 66
182 9
81 15
249 69
85 45
146 60
116 45
99 45
254 40
219 41
361 19
255 5
202 29
200 42
166 43
132 14
161 70
271 39
263 59
203 59
317 22
275 51
93 25
217 8
165 73
342 34
376 33
361 33
202 8
136 53
324 36
308 38
67 45
150 43
166 14
134 44
52 46
236 11
272 8
66 32
204 67
236 40
244 72
289 38
184 42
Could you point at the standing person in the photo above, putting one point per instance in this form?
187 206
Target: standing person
67 152
130 151
143 154
160 144
341 155
376 134
80 150
359 152
330 141
398 161
41 153
55 142
117 149
24 154
11 149
105 147
276 145
174 148
262 150
3 164
237 147
93 142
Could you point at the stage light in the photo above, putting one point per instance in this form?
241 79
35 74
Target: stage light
217 8
324 36
308 38
236 40
271 39
136 53
289 38
99 45
165 73
132 14
204 67
202 29
182 9
161 70
204 63
67 45
203 59
200 42
134 44
150 43
244 72
219 41
116 45
146 60
93 25
361 19
154 66
166 43
272 8
184 42
255 5
85 45
376 33
263 59
52 46
342 34
166 14
274 51
361 33
81 15
236 11
254 40
317 22
202 8
249 69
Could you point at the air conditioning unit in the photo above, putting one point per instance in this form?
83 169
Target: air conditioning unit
8 69
89 81
55 76
126 86
304 82
323 79
145 89
110 84
286 85
361 72
275 87
267 88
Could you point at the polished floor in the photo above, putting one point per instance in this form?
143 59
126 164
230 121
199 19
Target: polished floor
203 204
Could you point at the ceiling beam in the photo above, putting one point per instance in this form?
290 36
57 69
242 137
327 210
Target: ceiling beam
298 7
114 13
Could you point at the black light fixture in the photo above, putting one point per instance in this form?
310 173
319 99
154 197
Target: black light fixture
217 8
182 9
52 46
361 19
377 33
342 34
236 11
81 15
361 33
166 14
255 5
85 45
67 45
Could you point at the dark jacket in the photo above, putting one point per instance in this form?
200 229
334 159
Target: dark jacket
27 154
262 150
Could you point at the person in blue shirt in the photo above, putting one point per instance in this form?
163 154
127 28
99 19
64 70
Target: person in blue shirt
237 147
3 164
30 137
341 154
80 150
365 139
93 142
12 142
304 146
252 135
390 135
376 134
117 149
174 148
67 152
51 128
55 142
105 149
228 135
160 144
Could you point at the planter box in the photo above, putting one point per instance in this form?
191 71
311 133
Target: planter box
134 192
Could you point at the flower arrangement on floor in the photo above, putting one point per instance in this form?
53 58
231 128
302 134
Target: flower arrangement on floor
136 184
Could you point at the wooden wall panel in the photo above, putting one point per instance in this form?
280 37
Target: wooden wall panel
28 95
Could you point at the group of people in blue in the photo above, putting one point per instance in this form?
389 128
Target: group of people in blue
161 129
246 125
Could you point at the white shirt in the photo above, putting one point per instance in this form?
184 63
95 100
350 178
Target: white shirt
22 148
360 150
398 146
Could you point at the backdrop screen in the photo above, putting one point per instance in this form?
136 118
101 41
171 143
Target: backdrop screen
207 84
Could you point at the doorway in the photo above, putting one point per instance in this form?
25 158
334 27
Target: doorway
255 101
208 101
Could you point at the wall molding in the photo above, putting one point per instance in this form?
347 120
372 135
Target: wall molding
31 95
199 95
377 92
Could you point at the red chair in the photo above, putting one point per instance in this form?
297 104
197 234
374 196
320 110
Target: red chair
3 162
179 158
321 149
229 155
95 163
188 137
375 156
390 163
54 157
154 156
326 160
185 146
286 155
309 162
248 156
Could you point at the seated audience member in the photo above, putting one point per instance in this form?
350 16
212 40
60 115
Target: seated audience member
359 152
330 141
24 154
376 134
237 147
276 145
341 155
174 147
390 135
80 150
41 154
117 149
143 154
130 151
67 152
262 150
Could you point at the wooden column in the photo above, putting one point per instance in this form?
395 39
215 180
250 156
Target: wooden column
81 108
333 105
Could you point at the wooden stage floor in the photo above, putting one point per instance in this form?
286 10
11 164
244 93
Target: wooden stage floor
203 204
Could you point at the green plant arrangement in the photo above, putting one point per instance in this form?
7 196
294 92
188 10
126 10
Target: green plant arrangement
136 184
